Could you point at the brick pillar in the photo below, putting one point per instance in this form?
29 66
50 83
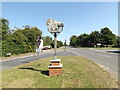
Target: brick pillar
55 68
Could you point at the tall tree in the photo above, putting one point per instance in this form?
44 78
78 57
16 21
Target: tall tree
21 41
47 40
95 37
4 27
73 40
83 40
107 37
117 41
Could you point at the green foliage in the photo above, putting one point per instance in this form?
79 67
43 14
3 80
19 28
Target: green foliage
82 40
59 44
47 40
105 37
117 43
4 27
95 37
20 41
73 40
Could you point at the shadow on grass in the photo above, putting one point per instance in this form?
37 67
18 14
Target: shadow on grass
24 62
45 72
114 51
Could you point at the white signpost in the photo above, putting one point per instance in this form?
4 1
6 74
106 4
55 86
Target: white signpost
39 44
55 27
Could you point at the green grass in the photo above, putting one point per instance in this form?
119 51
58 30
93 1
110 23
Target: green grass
78 72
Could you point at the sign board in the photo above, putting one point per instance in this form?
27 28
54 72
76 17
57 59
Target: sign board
54 26
98 44
38 41
9 54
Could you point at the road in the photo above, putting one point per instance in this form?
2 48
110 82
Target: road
106 58
16 62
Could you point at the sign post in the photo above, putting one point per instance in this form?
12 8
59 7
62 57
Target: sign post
55 27
65 44
55 44
38 44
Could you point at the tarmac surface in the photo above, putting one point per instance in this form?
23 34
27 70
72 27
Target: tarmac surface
16 62
105 58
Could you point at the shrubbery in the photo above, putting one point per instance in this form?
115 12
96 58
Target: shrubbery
105 37
21 40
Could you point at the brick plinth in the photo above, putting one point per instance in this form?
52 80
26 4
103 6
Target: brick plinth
55 68
55 64
55 71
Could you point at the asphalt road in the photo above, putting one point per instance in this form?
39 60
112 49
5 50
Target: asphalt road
106 58
16 62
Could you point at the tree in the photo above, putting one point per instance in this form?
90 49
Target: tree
73 41
107 37
21 41
117 44
47 40
26 27
94 37
83 40
4 27
59 44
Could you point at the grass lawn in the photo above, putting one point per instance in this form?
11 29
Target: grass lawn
78 72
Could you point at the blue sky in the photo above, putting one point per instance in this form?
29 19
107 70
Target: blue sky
78 17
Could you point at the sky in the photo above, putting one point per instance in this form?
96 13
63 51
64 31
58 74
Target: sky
78 17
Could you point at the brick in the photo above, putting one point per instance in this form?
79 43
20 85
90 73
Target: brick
55 72
55 64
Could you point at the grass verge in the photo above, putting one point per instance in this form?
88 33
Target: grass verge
78 72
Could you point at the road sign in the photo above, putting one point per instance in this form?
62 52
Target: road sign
38 41
98 44
54 26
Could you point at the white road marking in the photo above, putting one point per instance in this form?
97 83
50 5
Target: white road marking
90 52
107 56
112 53
74 52
99 50
99 54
